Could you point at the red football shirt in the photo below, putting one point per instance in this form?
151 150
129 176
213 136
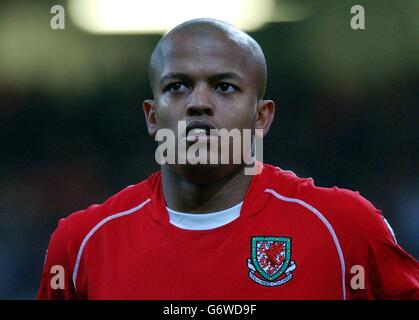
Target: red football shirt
292 240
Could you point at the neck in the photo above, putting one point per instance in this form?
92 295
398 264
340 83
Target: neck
183 195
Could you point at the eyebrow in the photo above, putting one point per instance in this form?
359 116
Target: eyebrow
173 75
227 75
216 77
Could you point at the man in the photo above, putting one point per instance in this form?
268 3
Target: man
209 231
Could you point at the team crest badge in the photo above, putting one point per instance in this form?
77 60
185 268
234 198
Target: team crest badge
270 264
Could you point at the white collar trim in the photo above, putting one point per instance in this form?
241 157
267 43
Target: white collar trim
204 221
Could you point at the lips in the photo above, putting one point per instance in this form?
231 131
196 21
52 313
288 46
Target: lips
199 131
199 127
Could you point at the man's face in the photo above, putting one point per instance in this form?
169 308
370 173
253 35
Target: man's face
208 82
205 79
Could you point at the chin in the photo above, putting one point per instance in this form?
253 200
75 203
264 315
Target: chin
207 173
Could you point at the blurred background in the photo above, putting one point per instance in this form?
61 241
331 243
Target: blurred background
72 129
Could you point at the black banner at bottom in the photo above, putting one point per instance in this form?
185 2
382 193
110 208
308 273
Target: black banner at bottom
222 309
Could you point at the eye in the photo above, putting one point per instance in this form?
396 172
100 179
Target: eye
226 87
176 87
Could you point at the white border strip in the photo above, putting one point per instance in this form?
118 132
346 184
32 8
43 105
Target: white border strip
95 228
327 224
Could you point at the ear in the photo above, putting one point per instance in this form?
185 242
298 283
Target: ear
150 116
265 112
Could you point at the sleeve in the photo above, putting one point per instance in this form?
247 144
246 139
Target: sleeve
56 279
389 271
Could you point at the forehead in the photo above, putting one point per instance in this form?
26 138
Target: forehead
199 55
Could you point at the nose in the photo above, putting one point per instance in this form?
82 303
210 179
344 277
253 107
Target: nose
200 101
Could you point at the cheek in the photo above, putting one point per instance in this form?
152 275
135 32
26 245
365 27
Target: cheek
172 104
168 113
238 113
164 101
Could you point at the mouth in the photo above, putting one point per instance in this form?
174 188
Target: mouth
199 128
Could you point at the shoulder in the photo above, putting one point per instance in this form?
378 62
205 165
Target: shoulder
362 236
74 227
345 210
